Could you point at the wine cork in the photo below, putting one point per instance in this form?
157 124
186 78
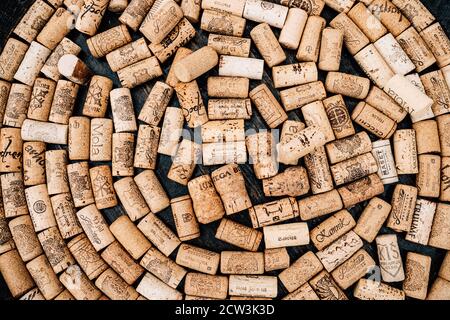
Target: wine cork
403 204
229 45
389 258
15 274
65 215
445 180
86 256
17 106
227 109
184 162
373 290
25 238
286 235
390 16
367 22
276 259
128 55
79 138
44 132
131 198
445 268
154 289
197 63
422 221
159 234
90 16
267 44
74 69
299 272
239 235
129 236
394 55
122 157
122 110
290 129
427 137
372 219
309 47
78 284
207 204
117 5
354 38
11 57
385 160
415 47
171 131
347 85
178 37
315 115
319 205
294 74
292 182
41 99
381 101
253 286
338 116
312 7
273 212
410 98
356 267
191 10
13 194
373 120
304 292
374 65
227 87
297 97
361 190
405 151
114 287
50 68
156 103
223 131
102 187
318 171
45 278
235 7
55 249
139 72
241 262
135 12
224 153
439 290
331 229
33 294
5 86
80 183
349 147
63 101
101 139
439 230
326 288
428 178
204 285
152 190
340 5
263 11
443 126
293 28
40 207
268 106
191 103
241 67
34 20
198 259
107 41
97 97
11 150
171 78
331 49
184 218
416 12
5 235
56 172
56 28
436 88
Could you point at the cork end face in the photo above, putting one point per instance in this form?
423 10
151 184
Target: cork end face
182 72
71 67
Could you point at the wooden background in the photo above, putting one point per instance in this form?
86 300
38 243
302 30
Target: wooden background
12 10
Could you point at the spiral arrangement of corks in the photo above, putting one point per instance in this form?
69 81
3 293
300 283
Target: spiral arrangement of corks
287 164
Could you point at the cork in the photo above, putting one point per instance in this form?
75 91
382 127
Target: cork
381 101
11 57
292 182
55 249
224 152
15 274
227 109
184 217
410 98
34 20
204 285
331 229
90 16
439 290
286 235
102 187
78 284
438 42
80 183
304 292
315 115
11 150
232 66
326 288
372 219
50 68
6 236
97 97
139 72
223 131
236 7
74 69
354 38
128 54
117 6
184 162
268 106
229 45
405 151
95 227
428 178
156 103
309 47
47 132
389 257
63 101
340 251
152 190
135 12
40 207
300 271
446 73
25 238
422 221
318 171
131 198
293 28
239 235
361 190
5 86
13 194
444 269
437 89
330 49
347 84
319 205
374 65
122 157
56 172
338 116
65 215
86 256
41 99
440 227
403 204
241 262
445 181
273 212
276 259
312 7
45 278
107 41
17 105
356 267
178 37
191 10
33 294
122 263
171 78
159 234
367 22
191 103
163 267
195 64
253 286
79 138
122 110
374 121
171 131
267 44
198 259
299 96
56 28
443 126
427 137
114 287
263 11
390 16
294 74
416 12
101 139
154 289
416 48
367 289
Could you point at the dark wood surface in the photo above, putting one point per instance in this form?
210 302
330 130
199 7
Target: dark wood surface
11 12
